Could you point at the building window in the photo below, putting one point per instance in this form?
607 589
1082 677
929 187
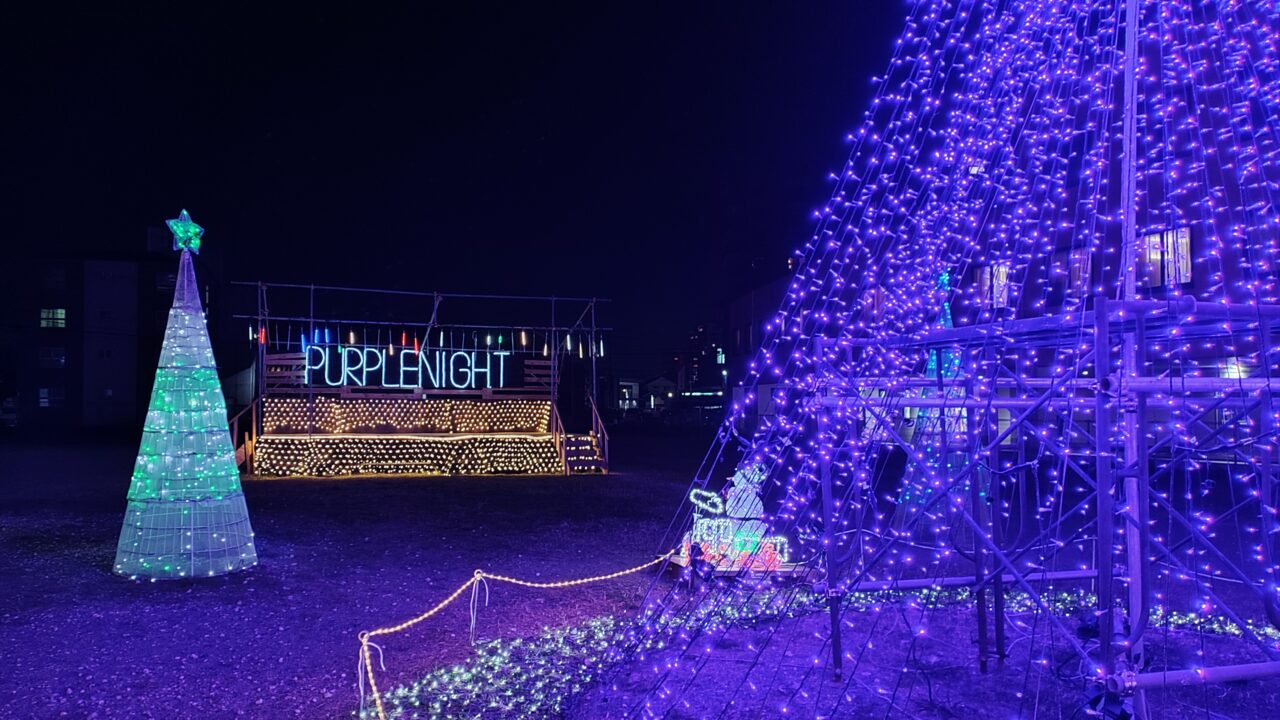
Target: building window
993 285
52 397
1166 258
53 357
875 303
1234 369
53 317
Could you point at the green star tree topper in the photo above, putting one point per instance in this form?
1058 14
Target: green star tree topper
186 515
186 234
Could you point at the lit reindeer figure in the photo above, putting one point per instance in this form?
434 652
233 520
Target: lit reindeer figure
729 530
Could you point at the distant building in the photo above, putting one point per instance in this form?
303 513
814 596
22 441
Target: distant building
82 336
702 364
628 395
747 315
659 393
74 360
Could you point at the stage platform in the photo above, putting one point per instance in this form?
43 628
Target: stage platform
326 436
361 381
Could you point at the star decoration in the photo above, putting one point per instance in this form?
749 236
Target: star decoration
186 234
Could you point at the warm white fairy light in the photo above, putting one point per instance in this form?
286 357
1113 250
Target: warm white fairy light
457 454
433 436
335 415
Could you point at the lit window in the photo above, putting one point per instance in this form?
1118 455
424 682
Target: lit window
51 397
53 317
993 284
1166 257
876 303
1233 369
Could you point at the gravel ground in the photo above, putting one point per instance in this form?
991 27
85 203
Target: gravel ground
903 660
340 556
337 556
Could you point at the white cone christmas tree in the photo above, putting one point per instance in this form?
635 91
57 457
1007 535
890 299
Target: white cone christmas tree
186 515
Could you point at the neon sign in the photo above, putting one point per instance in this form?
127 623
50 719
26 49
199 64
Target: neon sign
363 366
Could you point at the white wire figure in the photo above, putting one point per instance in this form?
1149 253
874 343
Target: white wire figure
730 530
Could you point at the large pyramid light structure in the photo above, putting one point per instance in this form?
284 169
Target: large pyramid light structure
186 515
1029 355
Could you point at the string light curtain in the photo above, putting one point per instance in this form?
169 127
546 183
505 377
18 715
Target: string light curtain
1000 309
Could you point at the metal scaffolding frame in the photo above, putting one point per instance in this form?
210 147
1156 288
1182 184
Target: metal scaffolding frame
1121 475
554 329
1127 478
1063 423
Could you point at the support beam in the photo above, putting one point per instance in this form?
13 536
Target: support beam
1201 676
1105 458
829 519
967 581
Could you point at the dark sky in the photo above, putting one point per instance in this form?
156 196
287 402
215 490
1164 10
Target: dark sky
646 152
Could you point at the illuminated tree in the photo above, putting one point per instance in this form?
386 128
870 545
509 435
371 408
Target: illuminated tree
1084 402
186 515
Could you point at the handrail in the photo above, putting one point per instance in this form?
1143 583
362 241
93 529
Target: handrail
556 428
602 435
417 293
252 409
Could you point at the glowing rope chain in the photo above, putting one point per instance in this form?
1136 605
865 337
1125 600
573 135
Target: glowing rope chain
365 667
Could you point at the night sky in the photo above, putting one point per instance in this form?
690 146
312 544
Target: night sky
651 153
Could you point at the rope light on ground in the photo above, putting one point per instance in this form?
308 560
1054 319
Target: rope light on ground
480 576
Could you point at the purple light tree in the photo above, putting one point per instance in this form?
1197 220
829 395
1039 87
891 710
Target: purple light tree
1028 350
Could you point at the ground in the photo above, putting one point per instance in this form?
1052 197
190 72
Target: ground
902 660
337 557
341 556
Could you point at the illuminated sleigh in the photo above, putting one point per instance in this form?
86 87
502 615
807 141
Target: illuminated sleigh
729 533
